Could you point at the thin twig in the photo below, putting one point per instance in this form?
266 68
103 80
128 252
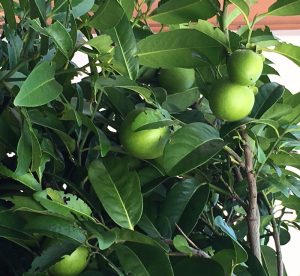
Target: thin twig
187 238
197 250
235 156
253 217
276 237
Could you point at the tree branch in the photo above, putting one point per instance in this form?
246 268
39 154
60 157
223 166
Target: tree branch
276 237
253 217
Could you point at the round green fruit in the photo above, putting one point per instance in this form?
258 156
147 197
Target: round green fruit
230 101
143 144
71 265
245 66
176 80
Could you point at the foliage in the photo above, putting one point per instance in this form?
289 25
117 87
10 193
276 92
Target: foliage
65 176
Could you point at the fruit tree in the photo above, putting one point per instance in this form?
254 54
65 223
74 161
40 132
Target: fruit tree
164 153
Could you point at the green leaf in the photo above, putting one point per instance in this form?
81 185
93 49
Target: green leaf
61 38
142 258
176 203
197 267
136 237
124 82
290 51
39 88
277 111
77 7
105 238
125 49
292 202
49 120
193 209
118 189
226 258
128 7
243 8
27 179
55 227
269 260
23 203
24 151
63 204
103 19
36 155
211 31
8 7
181 101
228 128
148 227
266 97
284 8
102 43
81 7
240 252
179 48
190 147
177 11
52 254
181 244
286 159
130 262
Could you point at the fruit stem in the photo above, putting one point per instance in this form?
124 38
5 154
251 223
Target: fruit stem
253 216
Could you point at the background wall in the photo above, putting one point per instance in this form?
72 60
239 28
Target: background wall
290 78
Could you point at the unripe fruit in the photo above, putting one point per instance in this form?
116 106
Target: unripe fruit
230 101
245 66
143 144
176 80
71 265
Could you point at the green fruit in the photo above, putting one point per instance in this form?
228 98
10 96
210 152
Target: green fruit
245 67
71 265
143 144
230 101
176 80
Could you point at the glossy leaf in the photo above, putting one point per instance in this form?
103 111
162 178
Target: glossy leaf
103 19
193 209
284 8
177 11
61 38
176 203
290 51
179 48
181 101
211 31
55 227
26 179
118 189
181 244
190 147
137 237
39 88
147 259
266 97
125 50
